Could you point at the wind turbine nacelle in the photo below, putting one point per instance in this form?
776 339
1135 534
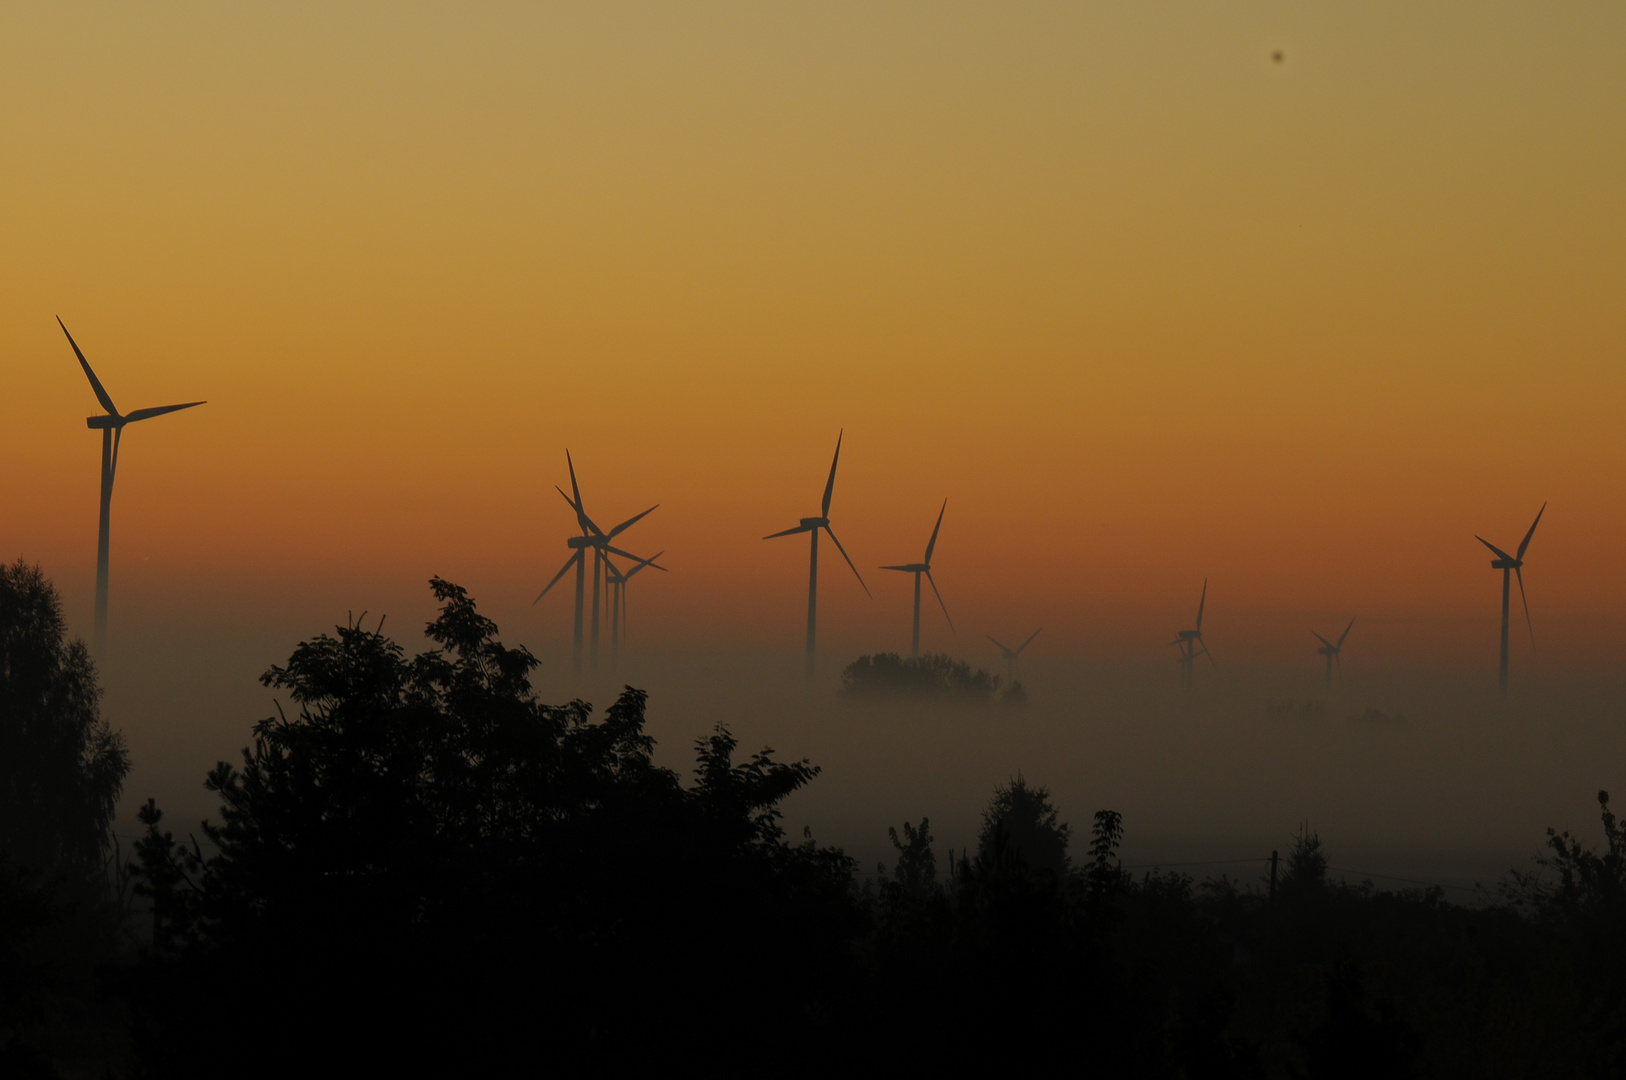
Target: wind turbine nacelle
1190 635
815 523
95 422
1507 564
579 542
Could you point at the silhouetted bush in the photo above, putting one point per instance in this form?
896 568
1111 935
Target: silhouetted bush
930 675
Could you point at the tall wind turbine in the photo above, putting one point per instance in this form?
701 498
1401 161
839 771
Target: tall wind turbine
1333 652
112 429
596 539
1010 655
1191 641
811 526
924 566
1513 563
617 583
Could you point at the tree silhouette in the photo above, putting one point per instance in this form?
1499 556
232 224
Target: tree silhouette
916 870
429 862
1019 824
61 766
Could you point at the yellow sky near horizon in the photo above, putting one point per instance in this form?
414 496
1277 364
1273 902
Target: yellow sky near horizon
1144 304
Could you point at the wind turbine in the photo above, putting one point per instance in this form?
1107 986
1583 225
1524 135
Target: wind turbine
1506 563
1332 652
1010 655
617 583
924 566
112 429
596 539
1191 641
811 526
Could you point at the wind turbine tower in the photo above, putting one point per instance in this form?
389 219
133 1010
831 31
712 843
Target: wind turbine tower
1011 655
111 425
924 566
1333 652
598 541
616 581
1512 564
811 526
1191 642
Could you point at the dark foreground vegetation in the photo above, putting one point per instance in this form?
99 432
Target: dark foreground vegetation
425 870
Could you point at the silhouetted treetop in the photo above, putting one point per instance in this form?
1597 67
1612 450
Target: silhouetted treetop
61 766
1020 824
425 821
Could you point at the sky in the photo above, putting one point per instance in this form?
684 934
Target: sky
1292 298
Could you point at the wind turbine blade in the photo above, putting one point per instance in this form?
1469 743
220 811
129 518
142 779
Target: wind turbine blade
562 570
940 603
1208 654
627 524
1518 573
1324 641
583 522
147 414
932 543
645 562
843 551
582 519
905 569
1201 603
95 383
1500 554
790 532
1026 643
1526 542
634 558
1345 634
1002 648
830 485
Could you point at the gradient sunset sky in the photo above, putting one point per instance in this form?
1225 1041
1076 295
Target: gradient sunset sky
1146 304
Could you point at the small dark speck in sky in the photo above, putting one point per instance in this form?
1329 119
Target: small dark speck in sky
1277 56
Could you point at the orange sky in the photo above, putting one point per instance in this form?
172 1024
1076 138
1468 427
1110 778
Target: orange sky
1145 305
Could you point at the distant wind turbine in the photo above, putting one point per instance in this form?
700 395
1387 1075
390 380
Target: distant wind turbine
1191 641
594 538
924 566
617 583
112 428
811 526
1010 655
1333 652
1513 563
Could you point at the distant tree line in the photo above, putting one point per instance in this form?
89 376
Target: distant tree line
425 869
879 676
